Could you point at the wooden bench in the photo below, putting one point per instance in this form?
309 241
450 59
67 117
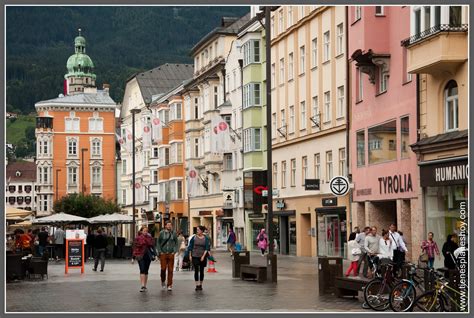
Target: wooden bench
254 272
349 286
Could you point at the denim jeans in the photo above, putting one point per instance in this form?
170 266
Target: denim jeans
430 262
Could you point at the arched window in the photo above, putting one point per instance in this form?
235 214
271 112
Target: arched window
451 106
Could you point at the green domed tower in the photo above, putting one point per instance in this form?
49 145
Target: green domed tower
80 68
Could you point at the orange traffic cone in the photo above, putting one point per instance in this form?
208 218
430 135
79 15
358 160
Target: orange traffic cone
211 268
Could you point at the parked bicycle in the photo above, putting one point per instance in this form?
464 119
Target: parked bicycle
403 294
442 298
377 291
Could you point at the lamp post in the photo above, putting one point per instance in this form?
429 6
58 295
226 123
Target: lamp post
82 168
57 170
134 112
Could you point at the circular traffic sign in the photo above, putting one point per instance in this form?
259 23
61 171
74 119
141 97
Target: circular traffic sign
339 186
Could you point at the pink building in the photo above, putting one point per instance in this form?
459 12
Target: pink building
383 122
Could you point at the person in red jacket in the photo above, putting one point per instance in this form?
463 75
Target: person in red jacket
141 244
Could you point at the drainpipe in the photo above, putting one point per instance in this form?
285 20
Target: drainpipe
224 84
348 121
241 65
418 132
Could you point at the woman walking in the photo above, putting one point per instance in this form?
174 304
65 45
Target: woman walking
262 241
354 253
448 252
178 258
430 247
199 249
141 244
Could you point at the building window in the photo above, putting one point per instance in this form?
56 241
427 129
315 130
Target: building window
342 161
290 66
360 85
96 124
96 148
360 140
72 147
280 21
340 39
272 26
176 111
72 176
451 105
407 77
304 168
303 118
317 166
228 164
358 13
327 48
405 136
155 176
251 52
275 175
302 60
196 108
124 196
196 148
292 119
274 125
290 16
379 10
455 15
315 110
155 152
329 171
96 176
252 139
383 80
382 142
283 118
72 124
314 53
124 166
273 75
167 156
252 95
327 106
283 174
340 102
293 173
179 189
282 71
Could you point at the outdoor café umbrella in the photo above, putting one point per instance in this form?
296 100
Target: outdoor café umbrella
24 224
60 218
16 214
114 218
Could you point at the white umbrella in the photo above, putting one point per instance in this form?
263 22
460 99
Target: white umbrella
114 218
60 218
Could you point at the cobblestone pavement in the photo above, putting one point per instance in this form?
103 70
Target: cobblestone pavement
117 290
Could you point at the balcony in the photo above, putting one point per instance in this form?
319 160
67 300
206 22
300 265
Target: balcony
438 49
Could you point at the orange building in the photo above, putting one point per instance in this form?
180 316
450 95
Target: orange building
171 202
75 138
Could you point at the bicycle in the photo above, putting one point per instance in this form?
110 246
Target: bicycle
442 298
377 291
403 294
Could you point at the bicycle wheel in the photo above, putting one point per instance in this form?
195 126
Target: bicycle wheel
377 294
402 296
428 302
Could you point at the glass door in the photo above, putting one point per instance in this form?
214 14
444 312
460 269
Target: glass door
329 235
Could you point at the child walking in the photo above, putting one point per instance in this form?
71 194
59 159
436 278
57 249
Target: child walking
354 252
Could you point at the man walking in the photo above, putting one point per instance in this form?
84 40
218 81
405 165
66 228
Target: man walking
371 245
167 246
90 244
231 241
100 247
398 246
42 240
360 239
59 237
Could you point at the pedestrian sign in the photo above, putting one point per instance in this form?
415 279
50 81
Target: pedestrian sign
339 186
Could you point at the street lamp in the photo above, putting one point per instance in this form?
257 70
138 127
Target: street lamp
82 168
134 112
57 170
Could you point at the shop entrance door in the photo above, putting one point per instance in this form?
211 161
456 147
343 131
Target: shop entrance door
329 235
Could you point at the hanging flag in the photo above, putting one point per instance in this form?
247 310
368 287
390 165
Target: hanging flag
121 141
146 136
139 192
192 181
220 135
214 138
156 129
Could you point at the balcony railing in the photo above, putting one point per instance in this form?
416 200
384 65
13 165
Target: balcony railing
433 31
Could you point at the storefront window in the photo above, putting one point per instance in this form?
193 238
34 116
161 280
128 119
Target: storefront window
361 148
405 134
443 206
383 142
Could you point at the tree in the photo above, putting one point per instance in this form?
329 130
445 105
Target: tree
86 206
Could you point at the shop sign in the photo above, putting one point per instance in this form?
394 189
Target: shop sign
446 173
280 204
74 254
329 201
311 184
396 184
203 213
339 185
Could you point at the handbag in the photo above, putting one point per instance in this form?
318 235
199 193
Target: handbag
424 258
356 251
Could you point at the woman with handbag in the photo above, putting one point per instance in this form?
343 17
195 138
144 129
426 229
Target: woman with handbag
429 248
199 249
354 253
141 246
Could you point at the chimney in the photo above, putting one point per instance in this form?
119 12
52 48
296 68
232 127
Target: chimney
106 87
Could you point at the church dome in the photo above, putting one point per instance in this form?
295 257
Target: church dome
80 63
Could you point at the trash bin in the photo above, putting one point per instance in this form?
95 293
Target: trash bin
239 258
328 269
